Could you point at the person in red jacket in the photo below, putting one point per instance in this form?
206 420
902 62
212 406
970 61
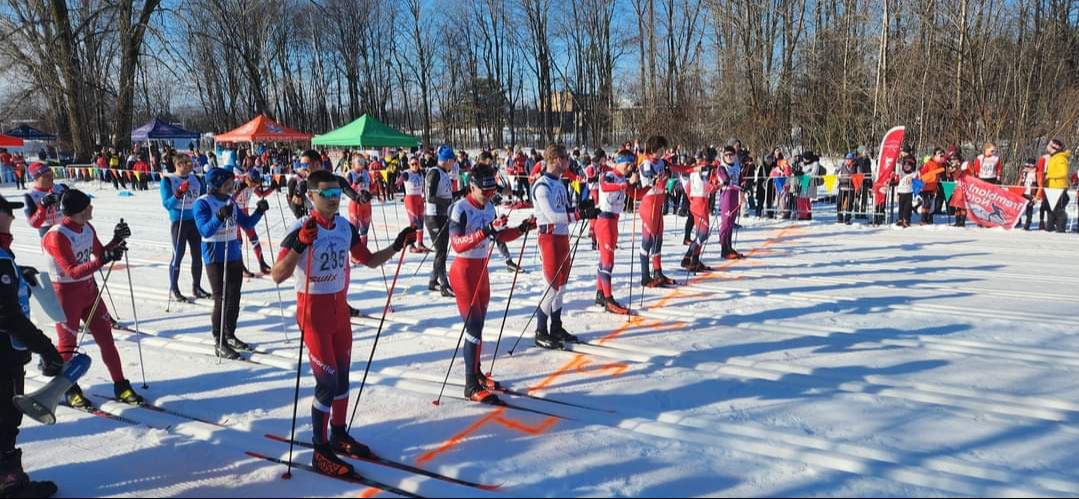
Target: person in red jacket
75 254
930 175
43 201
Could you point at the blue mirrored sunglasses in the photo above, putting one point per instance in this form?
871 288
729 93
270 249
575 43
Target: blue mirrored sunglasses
328 193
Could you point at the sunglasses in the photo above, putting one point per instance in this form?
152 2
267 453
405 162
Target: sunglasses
332 193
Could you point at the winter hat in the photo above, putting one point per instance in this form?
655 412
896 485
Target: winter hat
851 155
73 202
625 157
483 177
37 169
861 150
216 178
445 153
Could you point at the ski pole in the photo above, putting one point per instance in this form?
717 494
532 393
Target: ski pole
378 334
93 309
175 255
280 299
464 326
299 366
506 314
135 315
567 259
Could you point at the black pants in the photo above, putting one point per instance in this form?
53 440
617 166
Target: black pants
20 181
12 382
906 206
845 204
1029 213
440 234
929 206
231 297
1058 215
187 236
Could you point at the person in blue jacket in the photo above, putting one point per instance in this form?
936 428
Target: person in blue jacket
178 194
217 218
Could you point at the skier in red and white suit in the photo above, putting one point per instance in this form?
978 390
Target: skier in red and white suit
318 249
554 213
611 191
412 181
359 210
701 186
653 174
473 224
75 254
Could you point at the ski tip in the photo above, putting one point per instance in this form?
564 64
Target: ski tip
489 488
255 454
286 475
435 403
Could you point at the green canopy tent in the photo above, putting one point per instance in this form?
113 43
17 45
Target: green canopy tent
365 132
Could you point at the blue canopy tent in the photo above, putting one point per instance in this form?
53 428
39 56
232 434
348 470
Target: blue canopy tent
27 132
160 130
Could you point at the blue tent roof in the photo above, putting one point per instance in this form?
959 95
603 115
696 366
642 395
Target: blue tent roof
160 130
27 132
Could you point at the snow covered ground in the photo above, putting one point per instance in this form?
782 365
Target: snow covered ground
834 361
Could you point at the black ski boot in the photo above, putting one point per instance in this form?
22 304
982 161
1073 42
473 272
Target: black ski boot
447 292
326 462
343 443
546 340
77 400
124 393
176 295
264 268
236 344
200 293
224 351
14 482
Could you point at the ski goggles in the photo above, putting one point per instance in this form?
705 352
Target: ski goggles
332 193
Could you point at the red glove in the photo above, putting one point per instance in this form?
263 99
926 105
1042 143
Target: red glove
309 232
184 187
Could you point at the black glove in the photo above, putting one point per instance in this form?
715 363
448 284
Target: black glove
114 253
225 212
29 274
497 199
365 196
262 206
404 238
121 232
527 225
495 226
49 200
51 363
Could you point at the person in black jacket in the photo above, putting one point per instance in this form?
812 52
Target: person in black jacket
23 337
311 161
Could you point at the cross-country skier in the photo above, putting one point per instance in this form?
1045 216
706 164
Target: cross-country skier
653 175
75 254
247 183
553 216
178 194
318 249
217 218
473 223
612 187
439 195
43 201
412 182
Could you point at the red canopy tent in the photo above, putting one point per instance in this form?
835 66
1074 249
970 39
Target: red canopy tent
9 141
262 129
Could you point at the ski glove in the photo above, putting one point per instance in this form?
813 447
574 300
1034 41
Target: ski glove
51 362
364 196
49 200
121 232
225 212
528 224
29 274
114 252
308 233
406 237
262 206
495 226
588 210
184 187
